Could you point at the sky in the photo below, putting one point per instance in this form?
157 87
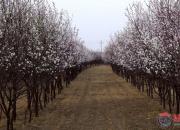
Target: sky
96 20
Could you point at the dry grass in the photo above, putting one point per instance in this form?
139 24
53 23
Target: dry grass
98 100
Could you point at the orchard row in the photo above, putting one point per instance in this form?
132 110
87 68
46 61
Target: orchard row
39 52
147 52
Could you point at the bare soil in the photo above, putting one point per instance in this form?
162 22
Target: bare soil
98 100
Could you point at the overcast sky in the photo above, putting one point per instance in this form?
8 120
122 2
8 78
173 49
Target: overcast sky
96 19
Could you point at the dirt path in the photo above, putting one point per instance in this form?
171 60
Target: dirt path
98 100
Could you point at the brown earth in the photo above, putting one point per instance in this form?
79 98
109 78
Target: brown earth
98 100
